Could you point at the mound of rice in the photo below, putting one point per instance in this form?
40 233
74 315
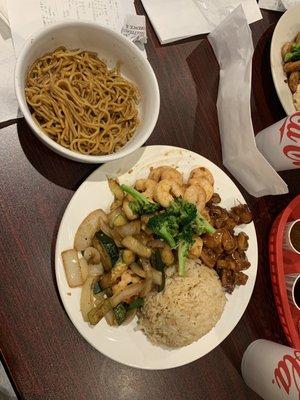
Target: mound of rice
186 309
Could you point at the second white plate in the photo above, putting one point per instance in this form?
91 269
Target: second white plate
286 29
125 344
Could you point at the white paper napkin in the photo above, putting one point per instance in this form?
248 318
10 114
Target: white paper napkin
178 19
9 104
277 5
233 47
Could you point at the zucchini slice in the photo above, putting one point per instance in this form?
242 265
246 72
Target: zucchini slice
109 252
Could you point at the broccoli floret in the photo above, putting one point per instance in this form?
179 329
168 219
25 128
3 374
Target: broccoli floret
186 212
201 225
185 242
140 205
165 226
294 54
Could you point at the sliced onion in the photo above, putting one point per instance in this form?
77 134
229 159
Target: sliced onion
115 234
72 268
87 299
131 290
137 270
87 229
148 278
84 268
96 269
130 229
103 224
110 318
156 275
91 255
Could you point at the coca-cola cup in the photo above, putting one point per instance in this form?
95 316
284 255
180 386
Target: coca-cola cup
272 370
280 143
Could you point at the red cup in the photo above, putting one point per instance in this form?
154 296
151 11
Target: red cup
272 370
280 143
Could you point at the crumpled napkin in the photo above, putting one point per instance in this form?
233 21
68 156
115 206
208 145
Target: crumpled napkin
277 5
9 104
233 47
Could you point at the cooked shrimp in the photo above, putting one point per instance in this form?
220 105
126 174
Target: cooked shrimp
146 186
127 210
205 184
196 249
201 172
165 191
165 172
195 194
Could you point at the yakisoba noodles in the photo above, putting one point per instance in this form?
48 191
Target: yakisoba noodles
80 103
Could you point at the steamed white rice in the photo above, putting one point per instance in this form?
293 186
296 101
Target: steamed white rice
186 309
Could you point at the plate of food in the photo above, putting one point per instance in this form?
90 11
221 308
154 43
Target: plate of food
285 60
156 257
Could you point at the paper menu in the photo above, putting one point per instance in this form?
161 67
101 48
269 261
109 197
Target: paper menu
178 19
28 16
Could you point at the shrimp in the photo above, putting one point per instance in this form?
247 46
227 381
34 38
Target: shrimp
195 194
127 210
205 184
165 191
165 172
196 249
146 186
201 172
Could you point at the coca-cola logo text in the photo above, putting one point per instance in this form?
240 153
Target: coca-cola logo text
287 373
291 128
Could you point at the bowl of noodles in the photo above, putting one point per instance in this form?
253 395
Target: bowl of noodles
87 92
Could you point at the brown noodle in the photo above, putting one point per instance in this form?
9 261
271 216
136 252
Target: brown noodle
80 103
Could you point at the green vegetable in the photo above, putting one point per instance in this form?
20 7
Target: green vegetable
201 225
157 263
97 313
107 248
177 225
120 313
294 54
165 226
137 303
140 205
97 288
186 212
185 242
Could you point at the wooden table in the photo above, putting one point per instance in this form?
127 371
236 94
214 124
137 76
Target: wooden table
45 356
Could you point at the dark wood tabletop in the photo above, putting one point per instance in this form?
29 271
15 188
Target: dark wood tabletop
45 356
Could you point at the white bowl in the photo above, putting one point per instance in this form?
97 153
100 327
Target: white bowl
111 47
286 29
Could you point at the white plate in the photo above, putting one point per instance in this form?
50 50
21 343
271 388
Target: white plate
124 344
286 29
